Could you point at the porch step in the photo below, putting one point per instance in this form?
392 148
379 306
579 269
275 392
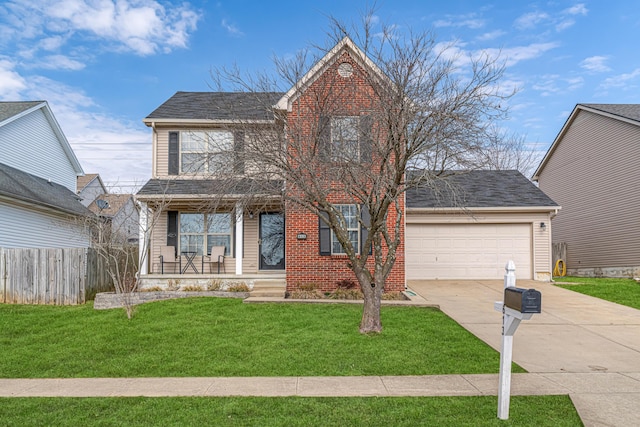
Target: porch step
269 288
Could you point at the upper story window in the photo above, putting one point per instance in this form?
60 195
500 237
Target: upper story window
204 152
344 139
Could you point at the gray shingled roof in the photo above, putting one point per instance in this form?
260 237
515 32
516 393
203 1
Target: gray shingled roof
10 109
481 189
217 106
628 111
23 186
171 187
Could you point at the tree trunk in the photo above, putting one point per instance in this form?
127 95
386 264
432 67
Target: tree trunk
371 322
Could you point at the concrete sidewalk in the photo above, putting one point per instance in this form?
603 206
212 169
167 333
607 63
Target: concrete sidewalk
427 385
576 338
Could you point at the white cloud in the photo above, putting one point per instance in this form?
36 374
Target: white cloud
492 35
578 9
530 20
621 80
60 62
513 55
552 84
143 27
595 64
467 21
231 28
11 83
563 25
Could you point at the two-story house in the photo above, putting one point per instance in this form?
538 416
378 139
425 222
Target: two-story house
38 172
191 207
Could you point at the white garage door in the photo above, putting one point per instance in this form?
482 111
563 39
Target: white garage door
467 251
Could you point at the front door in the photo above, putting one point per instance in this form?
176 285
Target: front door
271 241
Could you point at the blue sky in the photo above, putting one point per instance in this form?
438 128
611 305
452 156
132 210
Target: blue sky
104 65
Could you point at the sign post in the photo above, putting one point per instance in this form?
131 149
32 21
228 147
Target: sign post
519 304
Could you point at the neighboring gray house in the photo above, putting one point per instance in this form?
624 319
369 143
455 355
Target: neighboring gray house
90 186
39 206
592 169
121 212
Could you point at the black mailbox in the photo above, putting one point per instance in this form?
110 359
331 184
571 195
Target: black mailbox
523 300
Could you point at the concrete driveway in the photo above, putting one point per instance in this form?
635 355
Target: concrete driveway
574 332
574 335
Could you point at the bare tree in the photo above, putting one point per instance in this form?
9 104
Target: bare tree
421 111
504 151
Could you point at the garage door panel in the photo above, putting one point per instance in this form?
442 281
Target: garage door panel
467 251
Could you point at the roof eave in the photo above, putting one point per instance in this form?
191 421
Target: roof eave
499 209
181 122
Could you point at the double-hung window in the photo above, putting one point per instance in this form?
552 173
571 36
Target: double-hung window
350 214
204 152
199 232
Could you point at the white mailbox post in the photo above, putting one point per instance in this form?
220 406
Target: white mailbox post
518 304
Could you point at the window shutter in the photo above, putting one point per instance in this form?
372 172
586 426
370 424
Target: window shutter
324 138
238 150
324 234
172 229
174 153
366 143
364 232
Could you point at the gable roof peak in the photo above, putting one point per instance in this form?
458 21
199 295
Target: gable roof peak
319 67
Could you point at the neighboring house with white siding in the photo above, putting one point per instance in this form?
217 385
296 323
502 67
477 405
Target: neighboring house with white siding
90 186
39 206
592 169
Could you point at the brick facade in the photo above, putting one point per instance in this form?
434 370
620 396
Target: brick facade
331 93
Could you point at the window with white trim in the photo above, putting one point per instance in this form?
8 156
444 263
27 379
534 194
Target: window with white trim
199 232
205 151
351 214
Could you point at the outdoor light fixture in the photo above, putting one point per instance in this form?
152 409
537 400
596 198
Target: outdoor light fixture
543 226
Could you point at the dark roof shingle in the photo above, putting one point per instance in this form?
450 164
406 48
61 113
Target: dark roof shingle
185 187
480 189
23 186
217 106
628 111
10 109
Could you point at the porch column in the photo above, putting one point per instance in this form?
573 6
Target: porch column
143 238
239 238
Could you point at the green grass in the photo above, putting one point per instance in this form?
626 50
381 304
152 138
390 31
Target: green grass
556 411
621 291
224 337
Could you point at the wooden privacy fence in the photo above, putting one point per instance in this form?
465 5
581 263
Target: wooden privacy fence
51 276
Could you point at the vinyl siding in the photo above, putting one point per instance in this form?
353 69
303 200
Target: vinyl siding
22 227
541 239
91 192
29 144
593 174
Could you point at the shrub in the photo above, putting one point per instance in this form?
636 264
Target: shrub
173 284
193 288
308 287
238 287
214 285
351 294
305 294
347 284
393 296
155 288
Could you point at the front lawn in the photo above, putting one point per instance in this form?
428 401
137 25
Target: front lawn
224 337
621 291
556 411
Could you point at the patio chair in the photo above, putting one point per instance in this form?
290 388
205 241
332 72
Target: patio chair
168 256
215 257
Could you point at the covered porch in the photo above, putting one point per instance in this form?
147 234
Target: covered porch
201 238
